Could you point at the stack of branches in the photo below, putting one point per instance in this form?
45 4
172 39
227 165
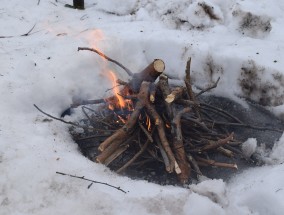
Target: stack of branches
167 123
163 123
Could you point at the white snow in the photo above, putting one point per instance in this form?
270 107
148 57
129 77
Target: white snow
244 47
277 152
249 147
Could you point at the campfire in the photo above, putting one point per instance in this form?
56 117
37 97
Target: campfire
148 120
148 123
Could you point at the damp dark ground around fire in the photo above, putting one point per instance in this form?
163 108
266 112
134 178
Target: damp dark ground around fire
154 171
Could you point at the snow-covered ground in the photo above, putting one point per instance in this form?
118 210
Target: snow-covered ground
239 40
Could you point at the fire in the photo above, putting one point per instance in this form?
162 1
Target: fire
99 39
111 107
148 123
121 102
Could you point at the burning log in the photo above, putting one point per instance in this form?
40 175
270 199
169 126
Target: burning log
149 74
113 142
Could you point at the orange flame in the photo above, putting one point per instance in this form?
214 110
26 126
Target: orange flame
121 102
98 39
96 42
148 123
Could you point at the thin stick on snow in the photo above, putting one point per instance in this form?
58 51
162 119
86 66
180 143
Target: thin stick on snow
53 117
22 35
96 182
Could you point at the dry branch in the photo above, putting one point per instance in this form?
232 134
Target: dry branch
213 145
144 147
56 118
179 147
22 35
205 162
107 58
96 182
162 135
187 81
208 88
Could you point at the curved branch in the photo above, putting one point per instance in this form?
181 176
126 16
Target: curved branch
107 58
96 182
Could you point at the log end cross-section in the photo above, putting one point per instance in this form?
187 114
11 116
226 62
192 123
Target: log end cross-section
149 74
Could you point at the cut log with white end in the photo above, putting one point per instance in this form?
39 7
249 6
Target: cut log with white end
159 66
175 94
177 169
149 74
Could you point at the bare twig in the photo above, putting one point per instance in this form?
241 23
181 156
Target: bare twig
22 35
247 126
107 58
59 119
163 153
187 81
144 147
220 111
194 165
209 88
217 144
205 162
96 182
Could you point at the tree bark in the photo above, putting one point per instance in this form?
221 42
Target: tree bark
179 147
79 4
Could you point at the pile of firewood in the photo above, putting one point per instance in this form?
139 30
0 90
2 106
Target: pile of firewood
160 122
149 121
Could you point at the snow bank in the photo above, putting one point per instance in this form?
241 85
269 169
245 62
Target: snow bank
45 69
